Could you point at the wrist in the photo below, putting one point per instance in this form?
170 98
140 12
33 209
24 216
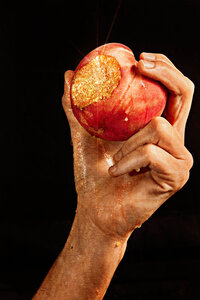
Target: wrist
95 253
86 234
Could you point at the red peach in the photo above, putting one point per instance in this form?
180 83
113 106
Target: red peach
110 98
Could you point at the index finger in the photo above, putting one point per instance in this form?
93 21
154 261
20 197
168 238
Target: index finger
180 89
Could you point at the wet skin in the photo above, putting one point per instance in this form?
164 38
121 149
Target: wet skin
114 200
119 186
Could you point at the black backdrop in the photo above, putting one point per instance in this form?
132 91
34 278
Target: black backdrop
40 40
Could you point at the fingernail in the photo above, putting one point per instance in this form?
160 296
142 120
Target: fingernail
113 169
148 64
118 155
148 56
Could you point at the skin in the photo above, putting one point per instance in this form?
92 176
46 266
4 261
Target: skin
119 186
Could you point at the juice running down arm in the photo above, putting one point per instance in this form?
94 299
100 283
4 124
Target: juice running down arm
120 184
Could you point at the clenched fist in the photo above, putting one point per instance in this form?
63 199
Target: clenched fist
121 184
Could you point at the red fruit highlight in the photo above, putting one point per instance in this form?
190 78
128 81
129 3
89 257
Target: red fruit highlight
110 98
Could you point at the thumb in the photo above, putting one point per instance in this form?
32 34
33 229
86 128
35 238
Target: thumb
77 131
66 102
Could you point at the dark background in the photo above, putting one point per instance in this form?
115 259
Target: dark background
39 41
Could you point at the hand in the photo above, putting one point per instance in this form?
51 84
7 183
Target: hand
118 199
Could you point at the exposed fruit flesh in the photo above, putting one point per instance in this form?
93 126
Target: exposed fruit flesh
95 81
109 96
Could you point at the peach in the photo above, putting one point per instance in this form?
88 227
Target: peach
110 98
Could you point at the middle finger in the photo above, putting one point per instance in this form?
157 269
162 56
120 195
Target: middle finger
159 132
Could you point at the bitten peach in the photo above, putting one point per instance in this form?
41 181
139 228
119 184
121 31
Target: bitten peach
110 98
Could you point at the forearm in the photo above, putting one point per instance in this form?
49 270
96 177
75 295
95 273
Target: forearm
85 266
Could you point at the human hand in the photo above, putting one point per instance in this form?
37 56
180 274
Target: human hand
121 200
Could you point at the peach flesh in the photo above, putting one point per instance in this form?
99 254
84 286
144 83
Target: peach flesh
110 98
95 81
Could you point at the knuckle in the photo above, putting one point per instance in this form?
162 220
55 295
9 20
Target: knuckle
162 57
189 86
159 125
190 160
179 181
183 179
164 60
149 151
154 123
183 174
